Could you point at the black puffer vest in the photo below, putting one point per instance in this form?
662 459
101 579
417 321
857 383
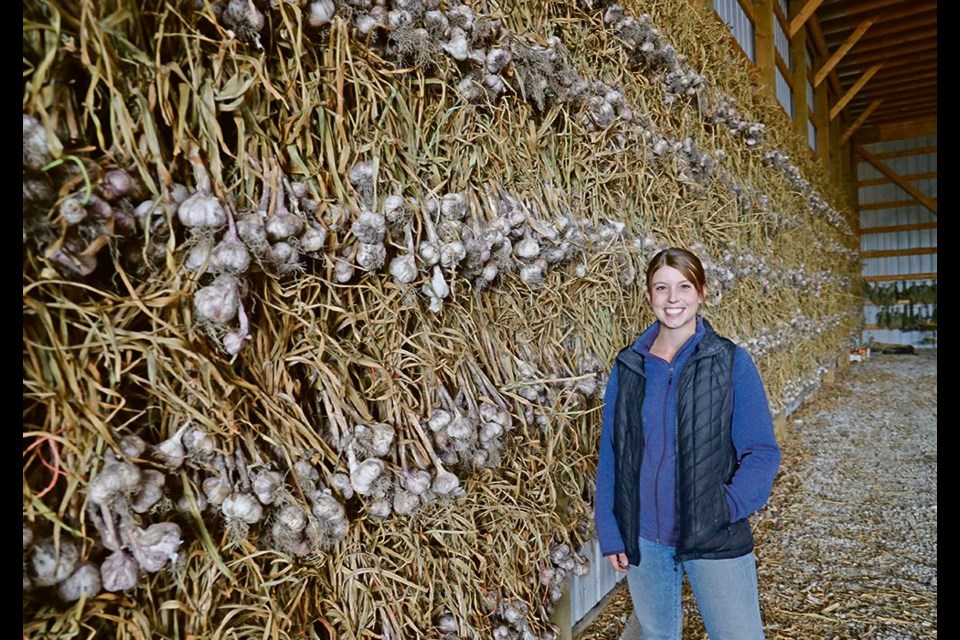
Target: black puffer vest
706 457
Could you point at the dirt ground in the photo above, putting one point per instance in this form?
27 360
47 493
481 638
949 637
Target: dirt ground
847 545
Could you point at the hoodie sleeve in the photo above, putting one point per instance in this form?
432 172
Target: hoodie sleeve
608 532
757 450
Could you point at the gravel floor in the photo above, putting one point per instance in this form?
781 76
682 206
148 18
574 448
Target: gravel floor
847 545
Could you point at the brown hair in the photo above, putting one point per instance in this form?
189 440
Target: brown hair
686 262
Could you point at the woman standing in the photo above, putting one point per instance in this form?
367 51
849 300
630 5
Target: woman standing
687 453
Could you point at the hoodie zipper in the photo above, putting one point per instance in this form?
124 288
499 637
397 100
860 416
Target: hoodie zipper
663 421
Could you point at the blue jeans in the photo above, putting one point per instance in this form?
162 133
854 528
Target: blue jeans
726 593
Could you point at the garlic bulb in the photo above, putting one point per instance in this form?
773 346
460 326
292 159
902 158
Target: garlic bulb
405 502
292 517
116 477
51 564
403 268
243 507
119 572
451 254
202 210
306 473
457 46
364 474
217 302
72 212
439 419
36 153
369 227
251 230
445 483
371 257
171 450
230 256
326 508
460 428
156 545
395 210
217 489
453 206
497 59
116 184
283 226
320 12
416 481
314 238
267 485
375 439
82 583
151 491
342 483
429 252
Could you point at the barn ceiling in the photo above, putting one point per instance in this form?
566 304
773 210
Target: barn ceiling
882 60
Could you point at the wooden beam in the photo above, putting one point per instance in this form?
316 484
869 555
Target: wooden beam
842 102
892 253
764 46
798 78
798 20
903 184
896 228
884 44
842 51
824 51
859 121
923 175
889 204
901 276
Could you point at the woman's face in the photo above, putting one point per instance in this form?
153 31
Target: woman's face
675 300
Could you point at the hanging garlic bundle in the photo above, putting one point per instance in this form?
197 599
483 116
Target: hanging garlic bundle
202 210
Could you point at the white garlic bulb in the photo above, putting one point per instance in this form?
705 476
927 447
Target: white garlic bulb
371 257
243 507
445 483
416 481
320 12
376 438
314 238
217 489
230 256
217 302
82 583
457 46
267 485
283 226
202 210
405 502
156 545
52 564
403 268
364 474
326 508
292 517
119 572
116 477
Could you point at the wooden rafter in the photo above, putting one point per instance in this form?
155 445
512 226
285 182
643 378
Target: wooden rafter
842 51
899 181
859 121
848 96
798 20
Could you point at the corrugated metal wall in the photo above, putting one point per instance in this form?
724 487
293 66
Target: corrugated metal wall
883 203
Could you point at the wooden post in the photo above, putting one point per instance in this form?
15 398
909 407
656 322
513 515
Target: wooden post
562 613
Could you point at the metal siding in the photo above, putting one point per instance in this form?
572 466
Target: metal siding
784 93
